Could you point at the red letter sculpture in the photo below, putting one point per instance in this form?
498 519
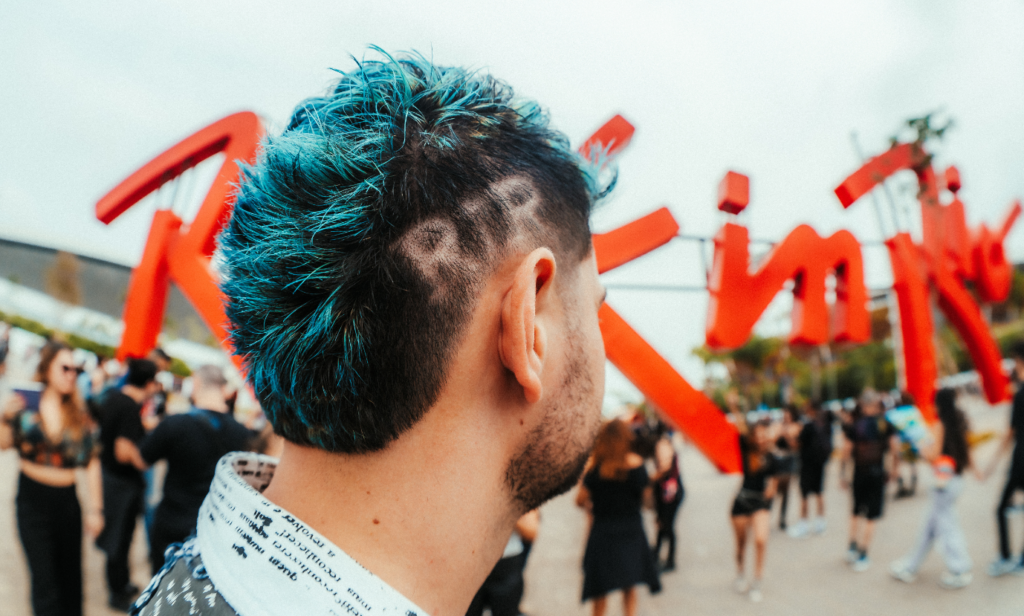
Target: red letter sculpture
689 409
949 257
738 297
176 251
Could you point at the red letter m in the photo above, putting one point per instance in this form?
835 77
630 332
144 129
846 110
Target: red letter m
739 297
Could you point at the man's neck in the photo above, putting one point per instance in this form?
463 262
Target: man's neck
429 515
210 403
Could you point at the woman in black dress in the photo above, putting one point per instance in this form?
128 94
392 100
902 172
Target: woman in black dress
750 510
618 556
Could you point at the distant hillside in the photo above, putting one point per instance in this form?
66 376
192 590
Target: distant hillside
103 285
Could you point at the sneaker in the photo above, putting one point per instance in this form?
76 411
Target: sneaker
852 555
953 581
899 570
740 585
862 564
798 530
1003 566
820 525
755 592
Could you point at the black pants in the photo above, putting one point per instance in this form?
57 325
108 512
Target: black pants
868 492
1013 484
122 504
502 590
667 529
783 490
50 527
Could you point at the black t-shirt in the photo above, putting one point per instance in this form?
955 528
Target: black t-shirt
815 442
617 499
1017 423
192 443
119 416
870 437
758 467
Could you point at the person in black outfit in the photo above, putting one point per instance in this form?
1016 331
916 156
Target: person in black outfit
119 412
1006 563
192 443
617 556
752 506
785 459
815 445
668 495
868 438
503 589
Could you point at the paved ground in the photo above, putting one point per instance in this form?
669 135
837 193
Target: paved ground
803 576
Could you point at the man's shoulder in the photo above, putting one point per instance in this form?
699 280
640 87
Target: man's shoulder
182 587
116 401
238 430
178 421
118 414
185 424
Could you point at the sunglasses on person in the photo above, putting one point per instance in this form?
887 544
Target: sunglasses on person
69 369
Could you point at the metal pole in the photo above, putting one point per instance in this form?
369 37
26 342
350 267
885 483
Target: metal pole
874 196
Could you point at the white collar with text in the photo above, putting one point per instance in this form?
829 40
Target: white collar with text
265 561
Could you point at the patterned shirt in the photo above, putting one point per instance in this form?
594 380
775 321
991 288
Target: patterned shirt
71 451
250 557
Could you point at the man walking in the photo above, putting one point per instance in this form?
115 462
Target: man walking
868 438
411 283
191 443
120 430
815 443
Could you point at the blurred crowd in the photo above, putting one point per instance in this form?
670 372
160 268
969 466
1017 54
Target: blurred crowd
878 440
145 443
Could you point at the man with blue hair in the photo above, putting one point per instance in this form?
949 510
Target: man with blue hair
411 285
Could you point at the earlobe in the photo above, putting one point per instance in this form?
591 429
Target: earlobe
523 338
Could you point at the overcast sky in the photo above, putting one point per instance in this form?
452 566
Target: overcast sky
89 91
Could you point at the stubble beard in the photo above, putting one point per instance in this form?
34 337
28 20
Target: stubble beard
556 451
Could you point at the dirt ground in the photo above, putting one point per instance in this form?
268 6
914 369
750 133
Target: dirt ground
806 576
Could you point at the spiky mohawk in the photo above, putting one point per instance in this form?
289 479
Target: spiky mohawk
361 234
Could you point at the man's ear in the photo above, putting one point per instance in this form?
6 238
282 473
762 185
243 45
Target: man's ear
522 342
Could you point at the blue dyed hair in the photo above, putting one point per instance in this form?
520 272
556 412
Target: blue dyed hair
362 233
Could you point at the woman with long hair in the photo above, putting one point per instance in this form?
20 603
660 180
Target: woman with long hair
751 509
950 455
668 495
55 437
618 556
785 458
